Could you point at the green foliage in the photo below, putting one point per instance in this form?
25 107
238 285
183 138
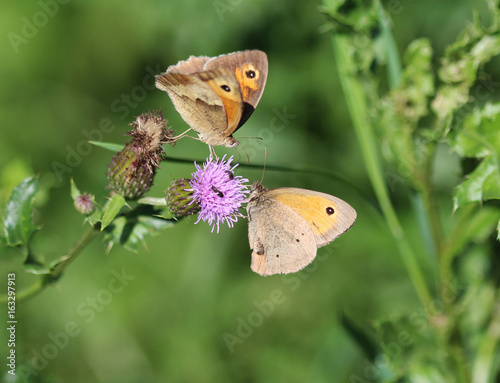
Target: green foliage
18 222
112 208
426 107
479 137
427 128
132 230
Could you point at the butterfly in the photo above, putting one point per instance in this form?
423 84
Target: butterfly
286 226
216 95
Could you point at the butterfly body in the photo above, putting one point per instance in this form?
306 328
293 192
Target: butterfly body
286 226
216 96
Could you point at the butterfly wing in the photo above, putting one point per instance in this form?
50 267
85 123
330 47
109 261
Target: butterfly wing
281 239
193 64
327 216
210 101
250 68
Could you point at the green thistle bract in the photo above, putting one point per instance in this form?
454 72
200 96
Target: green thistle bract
180 198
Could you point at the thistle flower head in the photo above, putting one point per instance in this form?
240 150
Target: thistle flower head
149 133
218 192
84 203
132 170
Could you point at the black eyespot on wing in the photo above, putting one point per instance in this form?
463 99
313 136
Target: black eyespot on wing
330 210
225 88
298 240
277 255
250 74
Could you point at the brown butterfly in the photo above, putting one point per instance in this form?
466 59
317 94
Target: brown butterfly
216 95
287 225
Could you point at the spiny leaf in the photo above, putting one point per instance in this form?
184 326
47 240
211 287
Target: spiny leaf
111 209
479 137
18 223
481 185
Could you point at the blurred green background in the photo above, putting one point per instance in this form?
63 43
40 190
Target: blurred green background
190 290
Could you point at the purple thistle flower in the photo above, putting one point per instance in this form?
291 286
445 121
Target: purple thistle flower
218 192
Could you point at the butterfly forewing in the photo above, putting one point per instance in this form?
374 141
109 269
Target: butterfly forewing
328 216
250 68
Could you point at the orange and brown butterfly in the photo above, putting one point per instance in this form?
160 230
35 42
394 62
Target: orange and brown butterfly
216 95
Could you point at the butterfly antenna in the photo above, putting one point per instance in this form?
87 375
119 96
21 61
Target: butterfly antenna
237 152
252 138
246 154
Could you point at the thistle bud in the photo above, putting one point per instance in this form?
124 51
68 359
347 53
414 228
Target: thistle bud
132 170
179 198
84 203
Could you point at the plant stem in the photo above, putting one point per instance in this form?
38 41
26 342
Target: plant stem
430 202
59 267
488 350
356 103
292 167
393 63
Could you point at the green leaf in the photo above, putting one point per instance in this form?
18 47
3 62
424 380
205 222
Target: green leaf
481 185
112 209
479 137
477 229
167 214
153 201
130 231
95 217
74 190
459 69
108 145
18 223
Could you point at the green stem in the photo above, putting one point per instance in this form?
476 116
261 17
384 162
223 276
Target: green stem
356 103
426 190
394 69
488 350
449 248
58 269
291 167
